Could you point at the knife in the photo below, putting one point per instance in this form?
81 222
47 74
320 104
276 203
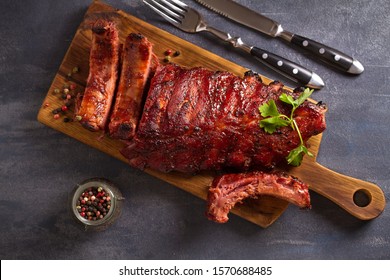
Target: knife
245 16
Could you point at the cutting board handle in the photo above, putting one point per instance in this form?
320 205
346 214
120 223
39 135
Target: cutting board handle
362 199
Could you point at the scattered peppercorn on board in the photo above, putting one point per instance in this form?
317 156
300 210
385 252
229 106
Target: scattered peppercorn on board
71 77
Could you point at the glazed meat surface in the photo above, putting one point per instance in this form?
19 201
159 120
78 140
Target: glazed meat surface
196 119
229 189
95 104
136 68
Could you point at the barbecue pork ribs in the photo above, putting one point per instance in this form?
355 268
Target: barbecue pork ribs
197 119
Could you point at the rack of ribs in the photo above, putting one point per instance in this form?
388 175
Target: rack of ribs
196 119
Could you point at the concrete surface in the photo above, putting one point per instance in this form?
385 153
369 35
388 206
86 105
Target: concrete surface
40 166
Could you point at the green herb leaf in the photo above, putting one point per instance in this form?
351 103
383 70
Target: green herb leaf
274 120
303 96
287 99
269 109
295 156
271 124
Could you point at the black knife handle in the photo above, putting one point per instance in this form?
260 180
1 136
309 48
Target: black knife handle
327 54
290 69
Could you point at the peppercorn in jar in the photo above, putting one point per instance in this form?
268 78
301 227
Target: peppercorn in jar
96 204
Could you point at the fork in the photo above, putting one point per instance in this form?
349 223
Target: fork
189 20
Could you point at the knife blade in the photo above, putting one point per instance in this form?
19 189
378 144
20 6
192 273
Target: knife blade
259 22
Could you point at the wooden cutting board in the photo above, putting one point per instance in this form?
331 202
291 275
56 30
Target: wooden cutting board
263 211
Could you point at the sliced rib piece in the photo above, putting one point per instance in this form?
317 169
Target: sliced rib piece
103 73
230 189
136 67
196 119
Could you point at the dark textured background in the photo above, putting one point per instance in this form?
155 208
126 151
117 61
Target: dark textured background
40 166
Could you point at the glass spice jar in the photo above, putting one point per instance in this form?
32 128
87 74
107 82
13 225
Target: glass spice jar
96 204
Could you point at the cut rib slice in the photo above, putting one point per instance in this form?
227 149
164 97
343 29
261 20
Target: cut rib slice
230 189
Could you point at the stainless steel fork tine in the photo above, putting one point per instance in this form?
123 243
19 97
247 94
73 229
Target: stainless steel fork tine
177 9
163 9
172 17
180 4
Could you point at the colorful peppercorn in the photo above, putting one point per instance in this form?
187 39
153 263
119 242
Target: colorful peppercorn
56 111
67 93
93 210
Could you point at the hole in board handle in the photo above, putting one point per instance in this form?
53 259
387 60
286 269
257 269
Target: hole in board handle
362 198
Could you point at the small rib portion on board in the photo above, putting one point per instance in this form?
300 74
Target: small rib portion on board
96 101
263 211
229 189
137 65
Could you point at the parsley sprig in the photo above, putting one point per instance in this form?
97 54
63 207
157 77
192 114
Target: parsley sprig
274 120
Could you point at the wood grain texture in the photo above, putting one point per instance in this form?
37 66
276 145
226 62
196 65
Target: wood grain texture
263 211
